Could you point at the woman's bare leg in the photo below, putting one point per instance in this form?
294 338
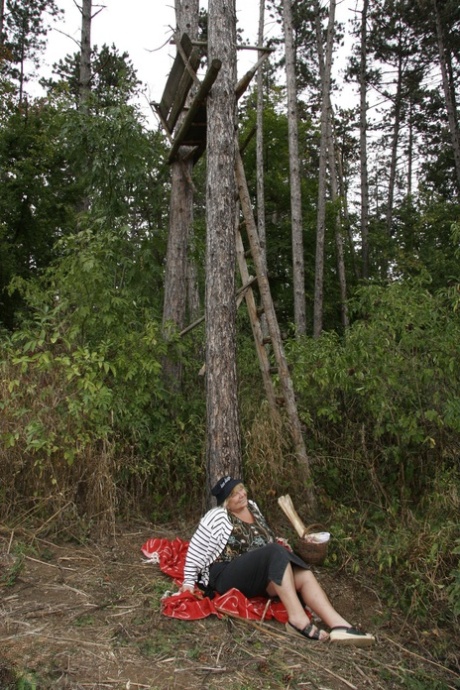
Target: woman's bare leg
287 592
314 596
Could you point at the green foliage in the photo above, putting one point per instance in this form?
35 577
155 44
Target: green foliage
16 565
387 395
62 170
453 590
380 406
410 552
38 196
82 378
114 79
24 28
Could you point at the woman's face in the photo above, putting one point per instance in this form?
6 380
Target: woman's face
238 499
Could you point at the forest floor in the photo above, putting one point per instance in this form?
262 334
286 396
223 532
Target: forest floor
86 617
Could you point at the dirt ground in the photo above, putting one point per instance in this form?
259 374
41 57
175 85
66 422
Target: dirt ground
76 616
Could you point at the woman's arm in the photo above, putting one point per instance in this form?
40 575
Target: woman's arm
205 545
195 560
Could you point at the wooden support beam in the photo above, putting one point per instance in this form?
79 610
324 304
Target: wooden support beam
246 79
261 49
240 294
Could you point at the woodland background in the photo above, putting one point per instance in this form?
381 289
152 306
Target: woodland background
92 430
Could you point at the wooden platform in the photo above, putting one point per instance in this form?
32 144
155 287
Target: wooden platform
183 76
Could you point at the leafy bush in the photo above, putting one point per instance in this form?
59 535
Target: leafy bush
84 405
381 406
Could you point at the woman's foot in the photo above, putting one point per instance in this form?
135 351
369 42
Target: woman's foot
310 632
348 635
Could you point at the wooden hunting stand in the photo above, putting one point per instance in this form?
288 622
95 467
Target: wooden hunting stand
192 134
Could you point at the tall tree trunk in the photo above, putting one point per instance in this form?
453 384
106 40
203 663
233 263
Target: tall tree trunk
298 263
175 283
260 140
449 90
364 181
410 151
338 221
260 186
180 276
84 84
394 150
334 184
85 55
322 184
21 68
223 443
346 214
2 21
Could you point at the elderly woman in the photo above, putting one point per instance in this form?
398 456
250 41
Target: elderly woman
233 546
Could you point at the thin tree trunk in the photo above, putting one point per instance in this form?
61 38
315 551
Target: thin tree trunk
363 143
449 91
322 186
394 151
2 21
85 55
21 70
334 183
346 215
84 85
338 223
260 140
260 186
410 152
223 442
298 263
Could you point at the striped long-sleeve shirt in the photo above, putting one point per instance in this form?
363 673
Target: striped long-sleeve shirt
207 544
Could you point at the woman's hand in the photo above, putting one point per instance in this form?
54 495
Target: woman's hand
187 588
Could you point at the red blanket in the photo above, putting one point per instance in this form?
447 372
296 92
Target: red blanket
170 556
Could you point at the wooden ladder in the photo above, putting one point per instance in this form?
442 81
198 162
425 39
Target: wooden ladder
286 388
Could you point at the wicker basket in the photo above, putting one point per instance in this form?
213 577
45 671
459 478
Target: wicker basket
312 552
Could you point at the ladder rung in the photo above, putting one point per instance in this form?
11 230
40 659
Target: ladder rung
274 370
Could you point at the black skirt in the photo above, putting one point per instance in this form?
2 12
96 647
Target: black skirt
251 572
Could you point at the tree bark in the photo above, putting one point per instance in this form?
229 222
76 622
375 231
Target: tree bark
449 91
335 196
223 443
335 188
363 143
394 152
260 140
298 263
179 274
2 21
322 183
85 54
260 186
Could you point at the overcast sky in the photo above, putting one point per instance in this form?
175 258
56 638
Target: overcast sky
143 29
